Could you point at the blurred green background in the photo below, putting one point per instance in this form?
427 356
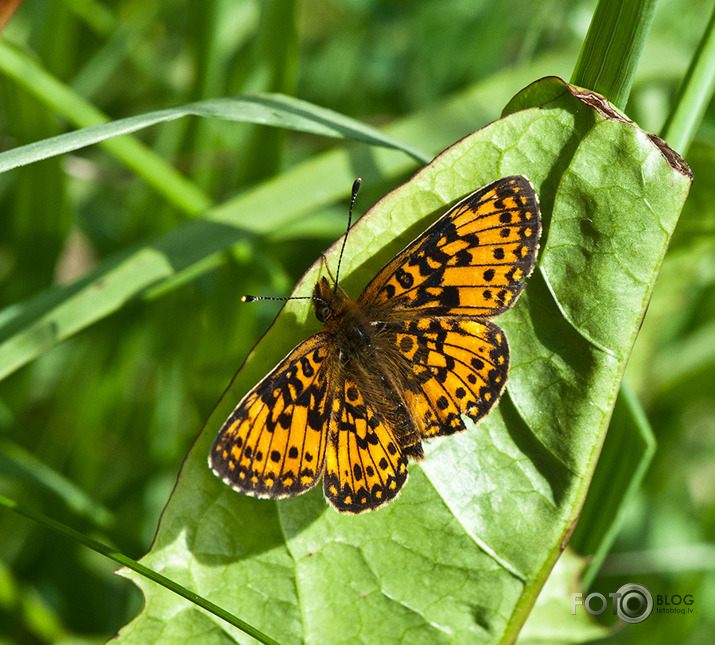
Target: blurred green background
94 431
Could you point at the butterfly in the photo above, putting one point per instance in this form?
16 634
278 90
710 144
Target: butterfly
406 361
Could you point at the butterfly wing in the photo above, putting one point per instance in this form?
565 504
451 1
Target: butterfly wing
364 465
472 261
459 367
273 444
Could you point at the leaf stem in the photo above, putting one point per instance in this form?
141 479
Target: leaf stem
611 50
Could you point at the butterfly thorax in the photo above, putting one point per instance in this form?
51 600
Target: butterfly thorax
344 320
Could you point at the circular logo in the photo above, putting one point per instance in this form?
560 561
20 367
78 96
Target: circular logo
634 604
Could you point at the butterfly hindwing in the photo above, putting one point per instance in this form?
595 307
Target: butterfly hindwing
364 465
471 261
461 365
273 444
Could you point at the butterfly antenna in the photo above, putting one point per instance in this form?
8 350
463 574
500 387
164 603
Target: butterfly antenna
248 298
356 187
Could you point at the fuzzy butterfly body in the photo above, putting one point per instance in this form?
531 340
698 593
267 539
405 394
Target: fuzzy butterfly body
406 361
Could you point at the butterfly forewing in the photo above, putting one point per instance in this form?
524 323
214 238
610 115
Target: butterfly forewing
471 261
273 444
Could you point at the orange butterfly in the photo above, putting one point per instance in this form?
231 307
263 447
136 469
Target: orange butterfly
405 361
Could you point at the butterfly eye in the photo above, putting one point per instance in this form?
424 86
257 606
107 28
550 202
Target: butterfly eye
322 312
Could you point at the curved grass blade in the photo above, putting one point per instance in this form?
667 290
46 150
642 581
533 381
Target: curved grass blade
125 561
275 110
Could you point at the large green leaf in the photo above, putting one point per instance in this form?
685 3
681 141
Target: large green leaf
461 555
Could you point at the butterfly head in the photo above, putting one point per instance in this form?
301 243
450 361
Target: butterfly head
325 299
